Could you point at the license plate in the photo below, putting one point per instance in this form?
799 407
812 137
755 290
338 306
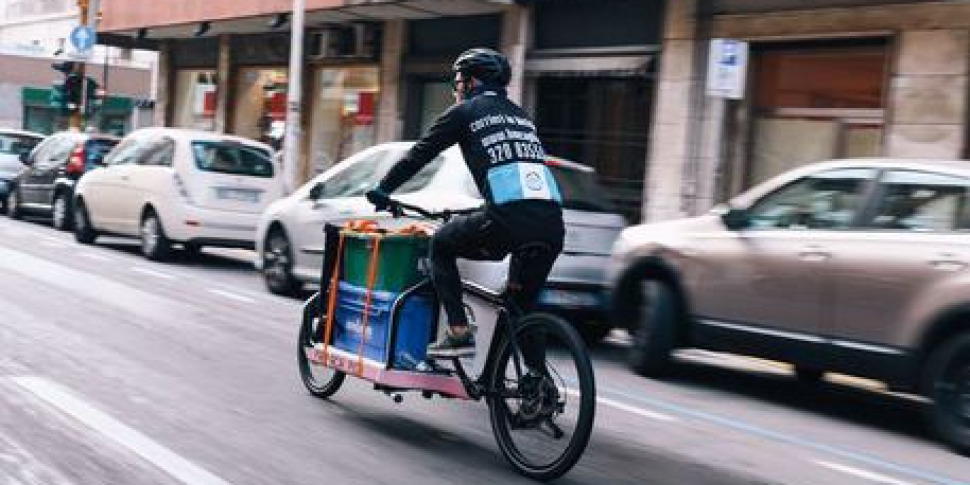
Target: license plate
238 194
566 298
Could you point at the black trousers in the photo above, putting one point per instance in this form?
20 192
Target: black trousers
534 242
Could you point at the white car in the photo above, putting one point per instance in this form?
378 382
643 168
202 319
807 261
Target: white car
167 185
290 238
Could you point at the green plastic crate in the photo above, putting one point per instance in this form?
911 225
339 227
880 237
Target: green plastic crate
402 260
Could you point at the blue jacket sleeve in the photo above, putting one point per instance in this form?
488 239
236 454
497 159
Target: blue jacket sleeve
445 132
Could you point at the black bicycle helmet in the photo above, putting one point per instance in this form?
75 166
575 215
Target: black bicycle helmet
486 65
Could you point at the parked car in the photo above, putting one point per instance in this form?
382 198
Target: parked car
13 144
290 238
860 267
170 186
45 187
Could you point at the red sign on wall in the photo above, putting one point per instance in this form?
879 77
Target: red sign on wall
365 108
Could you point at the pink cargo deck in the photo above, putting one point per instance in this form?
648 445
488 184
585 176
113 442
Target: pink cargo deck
377 372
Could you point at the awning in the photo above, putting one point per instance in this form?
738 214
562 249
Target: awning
351 11
598 66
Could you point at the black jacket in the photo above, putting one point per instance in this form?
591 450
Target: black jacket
491 130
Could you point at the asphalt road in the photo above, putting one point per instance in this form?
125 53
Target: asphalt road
117 370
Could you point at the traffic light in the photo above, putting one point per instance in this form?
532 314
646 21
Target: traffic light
72 90
69 95
93 97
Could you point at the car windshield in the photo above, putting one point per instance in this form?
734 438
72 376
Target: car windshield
16 144
580 190
232 158
420 179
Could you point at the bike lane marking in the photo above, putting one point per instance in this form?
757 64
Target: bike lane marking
151 272
96 257
628 408
752 429
165 459
54 243
231 295
858 472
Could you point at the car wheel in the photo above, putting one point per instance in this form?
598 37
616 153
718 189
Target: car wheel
154 244
61 213
653 330
13 204
278 265
84 232
947 382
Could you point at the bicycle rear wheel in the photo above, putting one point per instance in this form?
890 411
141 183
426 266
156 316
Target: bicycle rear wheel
542 410
321 381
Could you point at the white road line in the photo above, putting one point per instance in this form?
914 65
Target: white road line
150 450
858 472
630 409
96 256
151 272
231 295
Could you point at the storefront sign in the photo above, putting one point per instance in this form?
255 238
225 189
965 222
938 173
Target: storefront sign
205 101
727 68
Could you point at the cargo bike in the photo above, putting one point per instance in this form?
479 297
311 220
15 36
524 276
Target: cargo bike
377 311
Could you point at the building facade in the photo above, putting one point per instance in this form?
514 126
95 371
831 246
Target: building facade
380 71
32 37
825 79
617 84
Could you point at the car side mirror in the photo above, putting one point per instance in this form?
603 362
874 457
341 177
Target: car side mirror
316 191
736 219
98 161
25 158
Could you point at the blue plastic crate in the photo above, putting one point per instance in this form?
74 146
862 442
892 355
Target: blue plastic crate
350 321
413 329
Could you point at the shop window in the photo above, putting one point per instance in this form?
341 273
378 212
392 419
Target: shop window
344 113
195 99
601 122
40 119
260 109
816 102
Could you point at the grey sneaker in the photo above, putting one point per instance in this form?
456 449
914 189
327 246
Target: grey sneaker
452 345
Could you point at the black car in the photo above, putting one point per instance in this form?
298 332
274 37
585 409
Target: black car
45 187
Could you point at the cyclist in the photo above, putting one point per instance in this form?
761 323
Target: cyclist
522 202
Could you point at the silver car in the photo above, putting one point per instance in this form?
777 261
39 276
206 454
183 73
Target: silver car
13 144
857 266
290 240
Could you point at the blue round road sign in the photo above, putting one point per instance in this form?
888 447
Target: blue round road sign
83 38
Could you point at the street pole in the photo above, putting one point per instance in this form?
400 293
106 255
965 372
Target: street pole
91 20
294 99
77 117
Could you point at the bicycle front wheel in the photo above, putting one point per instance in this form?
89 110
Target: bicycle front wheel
543 402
